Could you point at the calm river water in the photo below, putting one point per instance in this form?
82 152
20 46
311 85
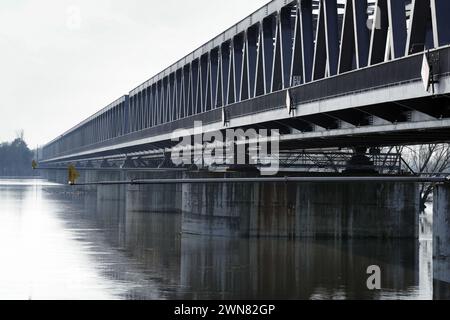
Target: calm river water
60 244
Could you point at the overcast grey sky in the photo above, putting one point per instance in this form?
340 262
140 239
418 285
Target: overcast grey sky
61 60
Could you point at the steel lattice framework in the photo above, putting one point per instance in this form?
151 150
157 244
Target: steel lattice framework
282 45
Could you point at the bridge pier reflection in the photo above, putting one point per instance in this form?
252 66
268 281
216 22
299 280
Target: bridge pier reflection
305 269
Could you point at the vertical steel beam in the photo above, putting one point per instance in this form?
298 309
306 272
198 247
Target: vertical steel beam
225 67
104 126
120 119
191 91
232 76
296 73
259 77
238 64
196 83
138 114
244 90
148 109
307 38
320 51
208 95
163 102
269 34
180 94
144 109
169 95
150 106
140 111
154 105
225 61
131 110
117 120
187 90
173 97
113 123
440 12
277 63
203 81
379 36
252 57
354 38
397 30
219 84
158 102
287 31
108 124
346 57
331 35
419 24
135 114
214 60
362 35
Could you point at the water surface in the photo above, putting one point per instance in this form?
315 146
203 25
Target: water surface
57 243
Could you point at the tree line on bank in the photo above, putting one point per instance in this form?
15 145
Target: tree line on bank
15 158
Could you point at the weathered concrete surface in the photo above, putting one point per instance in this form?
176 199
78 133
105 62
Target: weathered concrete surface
338 210
293 210
441 222
441 243
58 176
216 209
441 279
105 192
154 198
355 210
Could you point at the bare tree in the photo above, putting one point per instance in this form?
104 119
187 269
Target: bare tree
432 160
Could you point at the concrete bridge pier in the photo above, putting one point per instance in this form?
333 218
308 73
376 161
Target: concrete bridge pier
107 192
153 198
300 210
441 222
441 242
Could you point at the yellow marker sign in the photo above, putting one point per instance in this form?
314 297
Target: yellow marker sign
34 165
73 174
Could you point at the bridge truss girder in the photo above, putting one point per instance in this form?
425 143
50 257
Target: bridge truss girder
279 47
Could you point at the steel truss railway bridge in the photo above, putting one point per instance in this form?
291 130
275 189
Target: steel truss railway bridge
325 73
